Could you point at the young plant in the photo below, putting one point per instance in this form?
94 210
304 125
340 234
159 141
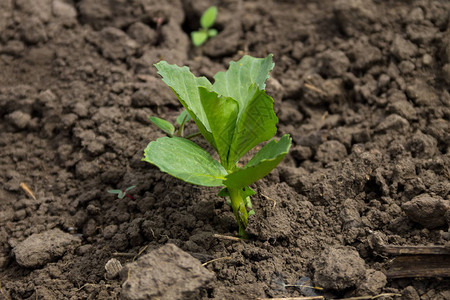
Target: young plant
234 115
206 21
122 193
169 129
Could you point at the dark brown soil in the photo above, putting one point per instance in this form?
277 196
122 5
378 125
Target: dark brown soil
361 85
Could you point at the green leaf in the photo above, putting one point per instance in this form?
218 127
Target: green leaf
236 81
184 116
199 37
185 160
261 164
120 193
212 32
130 188
221 113
114 191
186 87
163 125
208 17
256 123
247 192
244 81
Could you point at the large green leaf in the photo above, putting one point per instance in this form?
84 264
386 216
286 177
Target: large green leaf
221 113
236 81
261 164
185 160
256 124
244 81
186 86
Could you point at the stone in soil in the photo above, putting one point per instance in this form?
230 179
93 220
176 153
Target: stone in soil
403 49
427 210
339 268
42 248
165 273
333 63
373 284
355 16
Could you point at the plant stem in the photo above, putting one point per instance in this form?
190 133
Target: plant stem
239 210
180 131
129 196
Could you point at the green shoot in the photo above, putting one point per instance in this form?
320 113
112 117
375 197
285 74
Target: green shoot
206 21
169 129
122 193
164 125
234 115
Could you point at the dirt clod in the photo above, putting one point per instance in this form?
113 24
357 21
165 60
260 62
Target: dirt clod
373 283
409 293
165 273
339 268
427 210
42 248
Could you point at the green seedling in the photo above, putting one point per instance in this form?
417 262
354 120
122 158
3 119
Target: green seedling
169 129
234 115
205 32
123 193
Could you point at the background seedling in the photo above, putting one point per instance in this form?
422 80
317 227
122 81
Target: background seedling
234 115
122 193
206 21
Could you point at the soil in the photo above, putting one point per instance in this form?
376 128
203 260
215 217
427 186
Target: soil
362 86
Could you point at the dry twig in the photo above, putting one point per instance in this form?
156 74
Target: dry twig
268 198
124 254
315 89
27 190
226 237
140 252
93 285
216 259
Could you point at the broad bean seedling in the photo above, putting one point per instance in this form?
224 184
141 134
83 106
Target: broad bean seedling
234 115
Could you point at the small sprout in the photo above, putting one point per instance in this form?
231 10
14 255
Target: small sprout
122 193
163 125
183 117
233 121
169 129
206 21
